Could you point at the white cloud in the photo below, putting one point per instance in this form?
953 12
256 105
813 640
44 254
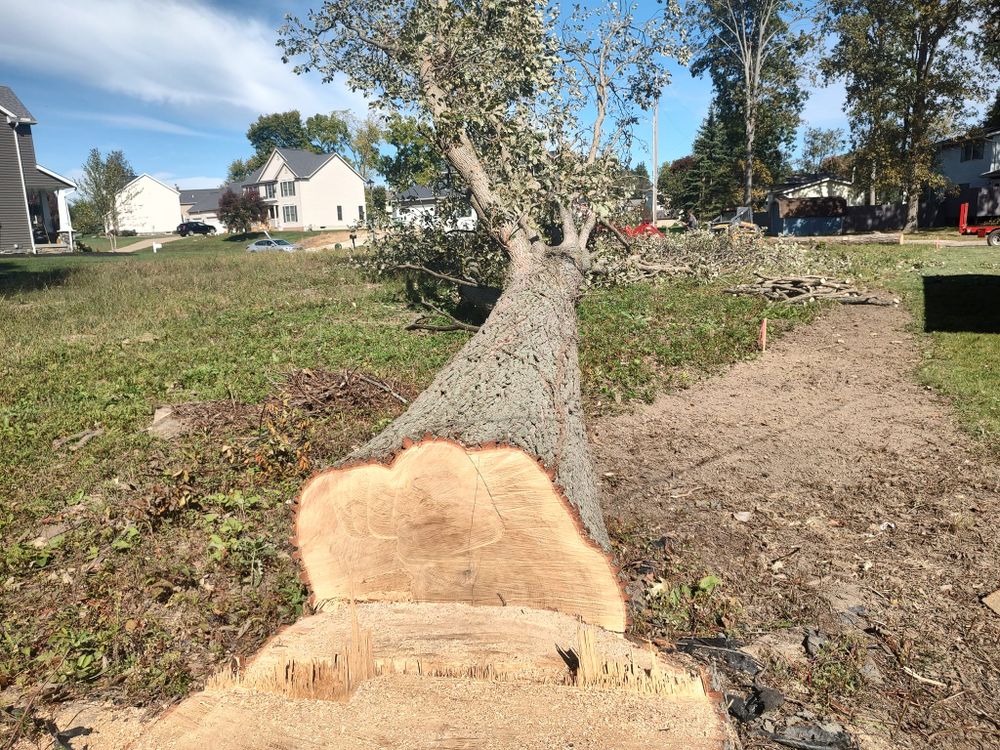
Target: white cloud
209 63
135 122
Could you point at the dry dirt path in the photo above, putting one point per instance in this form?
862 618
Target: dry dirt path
871 517
143 244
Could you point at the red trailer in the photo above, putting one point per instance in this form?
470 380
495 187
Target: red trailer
990 231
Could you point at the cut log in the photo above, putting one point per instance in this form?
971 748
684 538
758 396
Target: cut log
494 499
444 523
447 676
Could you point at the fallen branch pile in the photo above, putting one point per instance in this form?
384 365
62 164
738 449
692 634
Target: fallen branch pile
798 290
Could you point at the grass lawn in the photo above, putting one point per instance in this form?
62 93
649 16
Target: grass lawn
954 296
134 566
956 301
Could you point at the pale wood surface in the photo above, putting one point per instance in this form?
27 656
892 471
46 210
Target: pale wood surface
442 523
509 688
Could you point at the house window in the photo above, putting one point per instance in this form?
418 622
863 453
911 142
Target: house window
269 190
361 213
340 213
973 150
287 189
290 214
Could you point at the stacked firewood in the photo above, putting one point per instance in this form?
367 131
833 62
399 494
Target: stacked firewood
798 290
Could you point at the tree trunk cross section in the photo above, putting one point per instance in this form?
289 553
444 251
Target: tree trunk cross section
443 523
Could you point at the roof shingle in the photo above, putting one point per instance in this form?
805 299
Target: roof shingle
303 163
10 103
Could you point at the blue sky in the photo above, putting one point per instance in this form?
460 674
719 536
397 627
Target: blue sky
175 84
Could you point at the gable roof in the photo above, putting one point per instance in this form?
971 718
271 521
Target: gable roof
302 163
11 106
794 182
976 134
202 200
425 194
171 189
47 179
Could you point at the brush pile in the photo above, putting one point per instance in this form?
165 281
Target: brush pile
799 290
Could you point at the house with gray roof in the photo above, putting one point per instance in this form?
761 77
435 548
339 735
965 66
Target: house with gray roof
427 204
202 205
302 190
306 190
971 160
34 215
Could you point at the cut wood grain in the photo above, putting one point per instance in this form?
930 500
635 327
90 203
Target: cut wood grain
449 676
444 523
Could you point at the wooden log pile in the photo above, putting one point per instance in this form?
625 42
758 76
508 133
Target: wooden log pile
799 290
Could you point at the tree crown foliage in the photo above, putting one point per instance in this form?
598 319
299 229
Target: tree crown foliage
818 146
241 211
753 54
103 184
356 139
905 65
532 106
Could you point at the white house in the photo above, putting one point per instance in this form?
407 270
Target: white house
305 190
148 206
302 190
972 160
202 205
421 204
816 186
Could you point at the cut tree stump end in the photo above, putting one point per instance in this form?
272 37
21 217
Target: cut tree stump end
445 523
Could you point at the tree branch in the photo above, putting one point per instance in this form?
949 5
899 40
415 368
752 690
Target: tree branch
436 274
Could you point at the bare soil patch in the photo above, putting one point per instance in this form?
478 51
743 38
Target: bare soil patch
826 490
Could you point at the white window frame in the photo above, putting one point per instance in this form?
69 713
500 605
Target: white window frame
269 190
290 214
288 188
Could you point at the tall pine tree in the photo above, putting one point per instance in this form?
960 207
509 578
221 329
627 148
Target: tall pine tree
706 181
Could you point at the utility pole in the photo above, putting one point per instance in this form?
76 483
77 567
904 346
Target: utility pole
654 177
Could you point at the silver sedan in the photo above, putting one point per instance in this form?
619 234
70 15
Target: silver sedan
261 246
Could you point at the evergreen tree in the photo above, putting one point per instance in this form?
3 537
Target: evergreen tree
706 181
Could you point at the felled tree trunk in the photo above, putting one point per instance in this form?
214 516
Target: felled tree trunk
484 491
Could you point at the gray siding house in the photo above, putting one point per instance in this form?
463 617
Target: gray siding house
33 211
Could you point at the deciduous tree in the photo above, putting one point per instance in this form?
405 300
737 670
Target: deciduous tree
103 183
414 159
241 211
818 145
753 55
532 109
239 170
906 67
329 133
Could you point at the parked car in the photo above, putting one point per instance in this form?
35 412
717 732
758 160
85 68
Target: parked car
264 245
194 227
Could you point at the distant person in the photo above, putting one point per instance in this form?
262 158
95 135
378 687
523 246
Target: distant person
692 220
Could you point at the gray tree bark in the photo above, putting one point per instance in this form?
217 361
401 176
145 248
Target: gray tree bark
516 382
